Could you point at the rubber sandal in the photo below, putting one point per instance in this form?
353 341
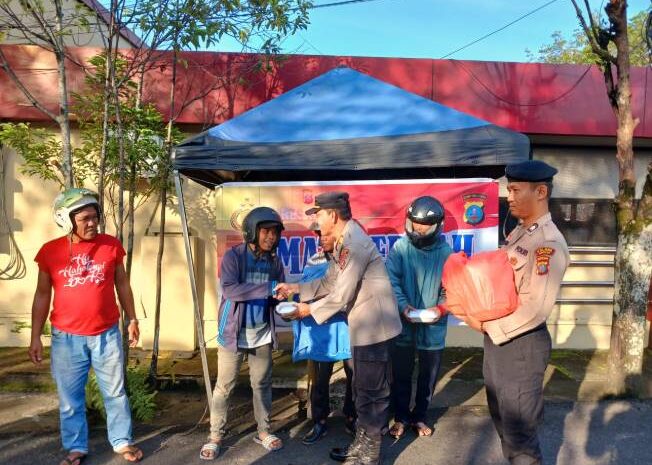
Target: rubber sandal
212 448
267 442
132 451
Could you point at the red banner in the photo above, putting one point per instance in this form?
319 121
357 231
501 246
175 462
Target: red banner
471 222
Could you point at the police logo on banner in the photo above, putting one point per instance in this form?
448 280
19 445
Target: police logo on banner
474 208
238 214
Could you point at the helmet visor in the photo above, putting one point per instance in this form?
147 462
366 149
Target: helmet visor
420 231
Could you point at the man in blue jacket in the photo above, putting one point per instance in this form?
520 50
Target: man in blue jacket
248 275
415 266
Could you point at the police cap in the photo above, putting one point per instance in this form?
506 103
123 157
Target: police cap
330 200
530 171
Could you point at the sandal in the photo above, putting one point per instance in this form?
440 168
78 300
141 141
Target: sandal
268 442
209 451
397 430
422 429
73 458
131 454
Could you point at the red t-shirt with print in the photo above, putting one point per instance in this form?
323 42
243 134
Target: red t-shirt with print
82 276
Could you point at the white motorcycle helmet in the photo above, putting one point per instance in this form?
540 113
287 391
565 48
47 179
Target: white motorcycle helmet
68 202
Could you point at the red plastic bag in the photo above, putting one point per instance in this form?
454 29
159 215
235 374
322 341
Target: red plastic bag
481 286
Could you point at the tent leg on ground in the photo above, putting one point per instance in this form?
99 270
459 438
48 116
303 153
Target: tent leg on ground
193 286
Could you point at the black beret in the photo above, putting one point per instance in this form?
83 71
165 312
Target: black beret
530 171
334 200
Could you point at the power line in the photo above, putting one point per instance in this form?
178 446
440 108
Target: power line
499 29
347 2
305 40
519 104
131 9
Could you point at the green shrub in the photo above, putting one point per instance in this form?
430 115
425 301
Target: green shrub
141 396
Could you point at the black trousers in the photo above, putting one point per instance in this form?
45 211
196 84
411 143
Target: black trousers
372 378
403 366
513 375
320 395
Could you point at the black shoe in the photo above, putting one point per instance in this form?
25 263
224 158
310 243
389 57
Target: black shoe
317 432
349 425
369 452
341 454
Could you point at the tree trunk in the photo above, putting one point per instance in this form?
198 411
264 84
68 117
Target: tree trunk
108 64
131 215
634 249
122 168
153 367
164 170
632 272
64 109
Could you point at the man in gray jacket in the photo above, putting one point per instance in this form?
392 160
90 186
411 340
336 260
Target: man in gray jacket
357 283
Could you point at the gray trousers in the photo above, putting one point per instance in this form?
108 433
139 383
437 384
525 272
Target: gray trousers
513 375
260 375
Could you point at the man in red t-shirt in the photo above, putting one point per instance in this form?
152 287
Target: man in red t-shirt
83 268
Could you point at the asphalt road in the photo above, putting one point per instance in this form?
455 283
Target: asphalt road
591 433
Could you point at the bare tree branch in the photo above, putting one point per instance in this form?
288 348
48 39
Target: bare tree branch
594 28
592 38
612 91
13 22
45 27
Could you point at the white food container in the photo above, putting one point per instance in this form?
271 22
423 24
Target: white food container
286 308
423 315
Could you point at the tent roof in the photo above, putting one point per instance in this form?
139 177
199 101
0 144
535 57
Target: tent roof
341 121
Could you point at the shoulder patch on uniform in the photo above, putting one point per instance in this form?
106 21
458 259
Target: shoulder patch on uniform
533 228
543 255
343 258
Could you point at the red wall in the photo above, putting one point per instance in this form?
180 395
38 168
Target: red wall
532 98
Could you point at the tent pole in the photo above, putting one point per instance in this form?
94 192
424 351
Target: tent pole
193 286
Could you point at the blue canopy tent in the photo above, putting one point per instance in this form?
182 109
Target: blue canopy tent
341 125
347 125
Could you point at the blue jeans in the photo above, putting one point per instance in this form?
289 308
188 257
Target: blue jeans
72 358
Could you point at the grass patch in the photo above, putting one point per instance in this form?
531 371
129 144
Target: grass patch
141 396
563 371
26 386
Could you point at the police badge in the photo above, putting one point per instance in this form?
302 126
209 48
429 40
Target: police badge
239 214
474 208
